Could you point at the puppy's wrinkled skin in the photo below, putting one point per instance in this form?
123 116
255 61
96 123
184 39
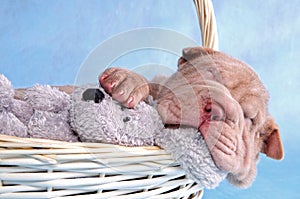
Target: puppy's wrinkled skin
217 94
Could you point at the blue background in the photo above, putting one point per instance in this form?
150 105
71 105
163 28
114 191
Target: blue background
47 41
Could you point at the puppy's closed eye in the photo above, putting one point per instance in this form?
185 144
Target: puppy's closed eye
93 94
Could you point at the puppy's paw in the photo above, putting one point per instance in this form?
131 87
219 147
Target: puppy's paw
127 87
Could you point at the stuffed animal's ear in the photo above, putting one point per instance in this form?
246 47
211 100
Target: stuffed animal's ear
272 145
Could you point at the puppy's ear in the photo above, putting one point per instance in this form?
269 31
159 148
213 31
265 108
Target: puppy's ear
195 52
272 145
188 54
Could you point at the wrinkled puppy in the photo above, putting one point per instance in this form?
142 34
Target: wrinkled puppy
217 94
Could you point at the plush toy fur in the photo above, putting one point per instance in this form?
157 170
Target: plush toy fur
46 112
109 122
10 124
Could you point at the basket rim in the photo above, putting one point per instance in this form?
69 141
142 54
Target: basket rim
56 143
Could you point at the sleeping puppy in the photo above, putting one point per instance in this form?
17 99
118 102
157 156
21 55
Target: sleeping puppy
217 94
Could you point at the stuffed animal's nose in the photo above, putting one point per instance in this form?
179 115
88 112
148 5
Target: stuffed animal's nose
93 94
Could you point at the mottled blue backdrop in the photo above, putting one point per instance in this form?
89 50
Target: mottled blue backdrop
47 41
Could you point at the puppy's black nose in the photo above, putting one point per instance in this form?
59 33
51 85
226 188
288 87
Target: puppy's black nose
93 94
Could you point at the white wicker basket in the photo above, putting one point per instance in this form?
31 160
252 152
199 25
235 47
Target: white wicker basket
38 168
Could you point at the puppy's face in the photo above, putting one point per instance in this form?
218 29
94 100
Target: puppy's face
226 101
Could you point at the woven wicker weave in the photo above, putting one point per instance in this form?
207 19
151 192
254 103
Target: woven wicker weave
37 168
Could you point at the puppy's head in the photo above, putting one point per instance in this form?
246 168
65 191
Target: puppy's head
224 98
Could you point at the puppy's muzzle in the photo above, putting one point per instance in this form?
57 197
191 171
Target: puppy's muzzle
195 104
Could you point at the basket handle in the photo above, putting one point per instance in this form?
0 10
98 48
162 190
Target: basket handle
208 25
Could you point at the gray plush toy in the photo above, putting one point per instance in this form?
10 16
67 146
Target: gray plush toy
107 121
10 111
91 115
43 113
